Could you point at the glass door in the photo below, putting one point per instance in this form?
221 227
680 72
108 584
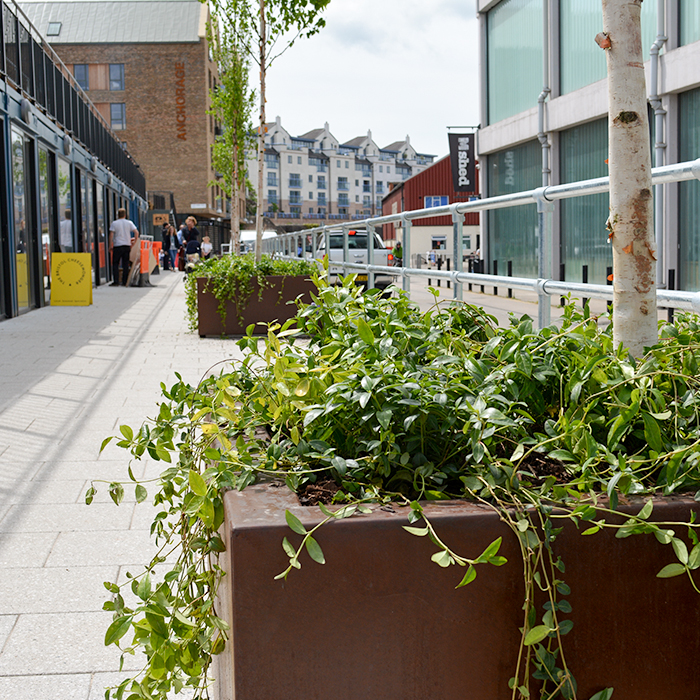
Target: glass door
24 258
65 207
49 239
100 234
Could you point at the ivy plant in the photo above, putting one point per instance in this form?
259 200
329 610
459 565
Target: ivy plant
229 278
401 406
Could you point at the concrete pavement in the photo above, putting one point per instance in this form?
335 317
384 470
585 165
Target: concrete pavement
70 377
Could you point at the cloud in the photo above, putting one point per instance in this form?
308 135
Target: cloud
392 66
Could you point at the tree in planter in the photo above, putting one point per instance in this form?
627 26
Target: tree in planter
231 104
631 202
274 25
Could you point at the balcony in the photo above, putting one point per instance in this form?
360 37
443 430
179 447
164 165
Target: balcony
343 186
295 183
366 188
288 215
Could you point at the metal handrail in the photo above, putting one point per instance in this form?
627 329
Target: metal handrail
543 197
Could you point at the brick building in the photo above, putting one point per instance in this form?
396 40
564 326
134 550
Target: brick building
147 67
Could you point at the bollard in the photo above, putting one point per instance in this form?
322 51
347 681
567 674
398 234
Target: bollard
495 272
609 280
510 274
448 269
562 278
481 269
584 279
438 262
671 285
470 267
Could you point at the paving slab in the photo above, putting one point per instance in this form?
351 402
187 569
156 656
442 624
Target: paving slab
48 687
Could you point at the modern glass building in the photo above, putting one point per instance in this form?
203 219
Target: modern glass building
65 172
545 49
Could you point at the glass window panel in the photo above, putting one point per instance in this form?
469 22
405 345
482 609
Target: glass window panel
690 21
513 231
116 76
582 62
21 220
514 57
584 238
117 111
81 74
65 207
689 218
47 218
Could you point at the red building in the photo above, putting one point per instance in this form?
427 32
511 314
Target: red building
430 188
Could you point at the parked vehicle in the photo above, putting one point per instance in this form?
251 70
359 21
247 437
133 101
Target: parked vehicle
357 253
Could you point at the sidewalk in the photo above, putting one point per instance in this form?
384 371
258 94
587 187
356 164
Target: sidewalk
70 377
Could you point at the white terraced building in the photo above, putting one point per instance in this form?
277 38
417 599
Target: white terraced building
314 178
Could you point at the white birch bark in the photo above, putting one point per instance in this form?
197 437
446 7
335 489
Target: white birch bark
631 203
261 139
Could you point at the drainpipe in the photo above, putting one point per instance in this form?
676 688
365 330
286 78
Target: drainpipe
545 208
542 134
659 145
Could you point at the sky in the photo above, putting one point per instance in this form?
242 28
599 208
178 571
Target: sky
396 67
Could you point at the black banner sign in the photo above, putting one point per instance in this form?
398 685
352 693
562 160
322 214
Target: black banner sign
463 162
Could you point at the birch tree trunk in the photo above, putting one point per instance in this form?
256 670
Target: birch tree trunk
631 204
261 139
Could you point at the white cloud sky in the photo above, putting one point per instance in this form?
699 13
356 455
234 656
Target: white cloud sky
396 67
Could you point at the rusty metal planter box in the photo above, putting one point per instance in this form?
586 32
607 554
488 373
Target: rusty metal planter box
381 621
270 306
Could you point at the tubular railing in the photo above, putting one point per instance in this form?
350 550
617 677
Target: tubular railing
544 285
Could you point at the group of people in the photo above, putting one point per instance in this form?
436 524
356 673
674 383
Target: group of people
182 247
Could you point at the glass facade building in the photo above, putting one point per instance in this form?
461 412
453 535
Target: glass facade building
582 62
513 231
583 151
689 210
689 21
514 57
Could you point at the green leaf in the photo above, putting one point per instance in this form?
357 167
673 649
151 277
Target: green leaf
116 492
591 530
603 694
197 483
312 415
671 570
442 558
680 549
106 442
652 433
117 629
289 550
127 432
645 512
365 332
140 493
89 495
384 417
536 635
294 523
694 558
489 552
144 588
468 577
314 550
664 536
523 362
418 531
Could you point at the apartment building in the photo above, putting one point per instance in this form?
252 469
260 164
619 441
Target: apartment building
314 178
544 116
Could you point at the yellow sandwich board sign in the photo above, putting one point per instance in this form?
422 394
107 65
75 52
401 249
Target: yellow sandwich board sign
71 279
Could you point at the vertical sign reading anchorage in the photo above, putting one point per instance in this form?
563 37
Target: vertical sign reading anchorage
180 113
463 162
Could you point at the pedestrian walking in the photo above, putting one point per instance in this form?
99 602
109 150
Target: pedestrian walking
120 243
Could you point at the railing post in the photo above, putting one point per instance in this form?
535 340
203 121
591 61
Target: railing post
438 262
495 272
545 220
671 285
406 229
370 255
584 279
457 242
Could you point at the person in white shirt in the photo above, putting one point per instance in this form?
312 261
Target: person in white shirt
120 242
66 232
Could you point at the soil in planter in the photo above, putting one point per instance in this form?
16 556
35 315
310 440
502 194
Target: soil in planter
320 492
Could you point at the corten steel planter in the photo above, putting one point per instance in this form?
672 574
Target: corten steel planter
271 306
381 621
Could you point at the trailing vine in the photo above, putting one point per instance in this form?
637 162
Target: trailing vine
401 406
229 279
